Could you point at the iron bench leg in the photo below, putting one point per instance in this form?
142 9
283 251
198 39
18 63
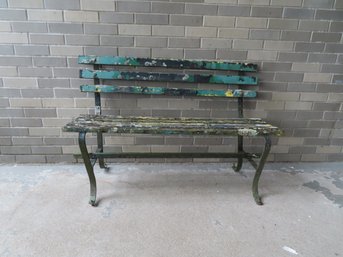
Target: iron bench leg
237 166
89 167
102 163
259 169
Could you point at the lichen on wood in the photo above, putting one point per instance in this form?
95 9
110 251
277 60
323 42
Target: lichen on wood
171 126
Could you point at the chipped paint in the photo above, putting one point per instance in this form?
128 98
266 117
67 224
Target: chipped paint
167 91
166 77
167 63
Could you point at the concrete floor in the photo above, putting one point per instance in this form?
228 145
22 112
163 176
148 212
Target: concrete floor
167 210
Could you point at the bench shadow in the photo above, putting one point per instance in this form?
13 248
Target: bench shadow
191 183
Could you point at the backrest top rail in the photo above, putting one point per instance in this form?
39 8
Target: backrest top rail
167 63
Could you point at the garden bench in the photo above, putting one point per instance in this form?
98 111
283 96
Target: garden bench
108 70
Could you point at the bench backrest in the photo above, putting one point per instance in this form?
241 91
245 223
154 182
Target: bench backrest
110 68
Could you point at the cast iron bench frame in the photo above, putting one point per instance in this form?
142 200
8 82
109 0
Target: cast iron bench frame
100 124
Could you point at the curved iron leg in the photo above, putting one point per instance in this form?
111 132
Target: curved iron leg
259 170
102 163
89 167
237 166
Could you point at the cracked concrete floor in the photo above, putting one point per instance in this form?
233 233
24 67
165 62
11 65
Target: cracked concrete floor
167 210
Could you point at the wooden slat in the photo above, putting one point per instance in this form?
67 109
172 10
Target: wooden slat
167 63
168 77
168 91
171 126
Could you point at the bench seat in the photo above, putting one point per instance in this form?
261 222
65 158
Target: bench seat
171 126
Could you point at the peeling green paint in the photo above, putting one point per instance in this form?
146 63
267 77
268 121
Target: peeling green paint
167 63
149 76
167 91
170 126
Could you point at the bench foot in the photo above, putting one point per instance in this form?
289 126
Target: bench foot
103 165
237 166
92 201
89 167
259 169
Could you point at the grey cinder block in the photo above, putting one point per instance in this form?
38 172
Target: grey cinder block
314 25
151 41
264 34
12 15
275 23
164 7
27 141
319 3
238 11
184 42
26 122
200 54
82 40
149 140
100 50
65 28
309 47
151 19
329 15
42 61
35 27
31 50
138 52
201 9
292 57
41 92
186 20
334 48
298 13
30 158
128 6
117 18
62 4
38 112
336 26
101 29
291 35
47 39
116 41
270 12
322 58
6 49
35 72
14 132
326 37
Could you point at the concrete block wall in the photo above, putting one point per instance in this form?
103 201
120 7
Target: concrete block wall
297 43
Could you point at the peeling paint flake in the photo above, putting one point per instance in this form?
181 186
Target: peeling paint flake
247 132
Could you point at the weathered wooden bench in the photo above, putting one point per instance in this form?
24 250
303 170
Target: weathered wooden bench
103 72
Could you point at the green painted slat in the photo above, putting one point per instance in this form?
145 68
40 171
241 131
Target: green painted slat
167 63
168 91
168 77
